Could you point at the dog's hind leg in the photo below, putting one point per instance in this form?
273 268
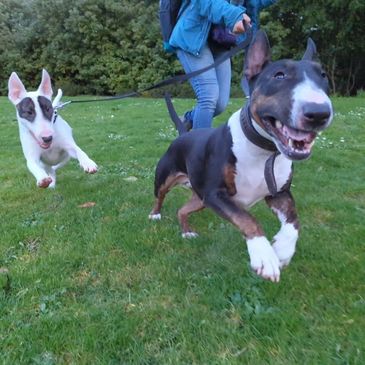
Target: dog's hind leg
51 170
52 173
62 163
193 205
161 191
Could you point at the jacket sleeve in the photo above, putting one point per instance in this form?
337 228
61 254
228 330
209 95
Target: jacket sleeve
266 3
220 11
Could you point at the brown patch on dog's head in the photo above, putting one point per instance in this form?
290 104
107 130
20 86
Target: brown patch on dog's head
260 101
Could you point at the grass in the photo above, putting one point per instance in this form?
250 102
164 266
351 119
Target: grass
104 285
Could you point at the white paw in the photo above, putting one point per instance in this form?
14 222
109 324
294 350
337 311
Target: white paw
263 258
189 235
89 166
44 183
284 243
155 217
52 185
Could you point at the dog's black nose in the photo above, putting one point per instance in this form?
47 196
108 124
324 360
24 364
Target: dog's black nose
316 114
47 139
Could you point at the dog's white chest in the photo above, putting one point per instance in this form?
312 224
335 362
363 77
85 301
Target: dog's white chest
250 181
54 156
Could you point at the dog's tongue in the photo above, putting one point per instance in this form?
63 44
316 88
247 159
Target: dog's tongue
299 135
45 145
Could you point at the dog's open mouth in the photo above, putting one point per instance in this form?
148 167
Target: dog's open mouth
45 146
294 143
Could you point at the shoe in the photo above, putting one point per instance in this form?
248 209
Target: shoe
187 123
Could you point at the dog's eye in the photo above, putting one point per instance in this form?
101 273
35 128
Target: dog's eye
323 74
28 114
280 75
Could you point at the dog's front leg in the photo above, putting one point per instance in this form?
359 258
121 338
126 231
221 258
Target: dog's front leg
263 258
85 161
285 240
39 172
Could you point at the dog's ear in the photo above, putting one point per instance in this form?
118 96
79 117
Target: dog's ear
311 51
45 87
258 55
16 89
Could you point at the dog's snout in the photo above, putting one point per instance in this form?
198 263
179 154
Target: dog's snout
47 139
316 114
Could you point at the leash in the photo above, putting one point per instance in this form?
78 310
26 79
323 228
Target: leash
178 79
257 139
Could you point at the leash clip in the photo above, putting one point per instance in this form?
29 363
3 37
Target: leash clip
59 106
62 105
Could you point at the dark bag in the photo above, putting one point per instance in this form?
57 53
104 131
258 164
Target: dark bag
221 36
168 13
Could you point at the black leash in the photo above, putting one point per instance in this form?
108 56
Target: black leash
178 79
269 173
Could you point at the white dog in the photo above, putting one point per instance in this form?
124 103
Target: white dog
46 138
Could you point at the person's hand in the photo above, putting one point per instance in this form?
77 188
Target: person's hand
238 27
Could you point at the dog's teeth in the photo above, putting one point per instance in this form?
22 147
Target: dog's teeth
290 143
278 124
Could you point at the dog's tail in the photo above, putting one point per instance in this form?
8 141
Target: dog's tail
173 115
57 99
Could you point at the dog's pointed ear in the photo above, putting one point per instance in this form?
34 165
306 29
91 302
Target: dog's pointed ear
16 89
258 55
45 87
311 51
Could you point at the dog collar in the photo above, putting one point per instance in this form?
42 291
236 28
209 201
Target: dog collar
55 115
257 139
251 133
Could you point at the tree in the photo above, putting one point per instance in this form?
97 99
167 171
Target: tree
113 46
337 27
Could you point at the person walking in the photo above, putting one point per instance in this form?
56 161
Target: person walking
195 50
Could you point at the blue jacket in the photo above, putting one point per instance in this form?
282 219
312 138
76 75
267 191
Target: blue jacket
196 17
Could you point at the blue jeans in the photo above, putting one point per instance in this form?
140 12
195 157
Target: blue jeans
212 88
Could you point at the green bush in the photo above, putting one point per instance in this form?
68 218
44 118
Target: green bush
114 46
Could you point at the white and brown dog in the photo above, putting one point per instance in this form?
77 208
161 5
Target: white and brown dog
46 138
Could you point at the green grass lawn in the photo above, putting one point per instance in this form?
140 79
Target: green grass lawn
104 285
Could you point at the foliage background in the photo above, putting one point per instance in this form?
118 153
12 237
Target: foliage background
112 46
